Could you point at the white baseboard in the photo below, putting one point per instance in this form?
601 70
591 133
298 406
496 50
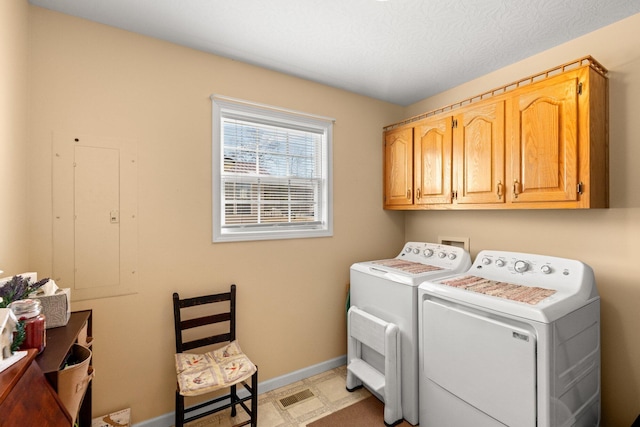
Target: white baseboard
167 420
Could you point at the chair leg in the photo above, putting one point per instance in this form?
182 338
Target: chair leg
234 399
179 410
254 399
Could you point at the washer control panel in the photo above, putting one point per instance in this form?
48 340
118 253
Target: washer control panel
445 256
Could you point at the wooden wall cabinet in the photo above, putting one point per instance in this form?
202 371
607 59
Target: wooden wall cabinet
398 168
559 142
540 143
479 150
433 161
457 159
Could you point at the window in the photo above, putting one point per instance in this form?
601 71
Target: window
271 172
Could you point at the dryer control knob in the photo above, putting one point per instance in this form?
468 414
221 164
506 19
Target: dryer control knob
486 261
407 249
452 256
546 269
428 252
442 254
500 262
520 266
416 251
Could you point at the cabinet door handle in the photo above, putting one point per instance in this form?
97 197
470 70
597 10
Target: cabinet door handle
418 194
516 189
499 190
408 194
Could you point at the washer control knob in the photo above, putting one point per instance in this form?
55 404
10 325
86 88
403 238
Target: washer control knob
486 261
428 252
546 269
521 266
442 254
452 256
500 262
416 251
407 249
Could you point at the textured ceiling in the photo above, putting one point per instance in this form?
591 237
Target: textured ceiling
399 51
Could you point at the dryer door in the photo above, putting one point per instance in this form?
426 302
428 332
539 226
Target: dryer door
487 362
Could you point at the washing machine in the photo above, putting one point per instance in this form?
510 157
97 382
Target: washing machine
388 289
514 341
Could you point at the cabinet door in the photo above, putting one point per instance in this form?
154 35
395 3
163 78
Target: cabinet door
544 148
479 144
432 160
398 165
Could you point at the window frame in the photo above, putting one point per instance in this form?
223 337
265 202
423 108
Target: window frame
226 107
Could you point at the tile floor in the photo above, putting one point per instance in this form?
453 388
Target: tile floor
329 395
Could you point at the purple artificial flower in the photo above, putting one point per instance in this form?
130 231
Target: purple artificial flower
18 288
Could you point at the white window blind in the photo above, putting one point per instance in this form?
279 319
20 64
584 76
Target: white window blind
271 172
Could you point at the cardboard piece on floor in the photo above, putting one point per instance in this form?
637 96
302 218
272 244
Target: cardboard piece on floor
115 419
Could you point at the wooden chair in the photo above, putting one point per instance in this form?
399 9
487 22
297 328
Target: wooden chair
225 367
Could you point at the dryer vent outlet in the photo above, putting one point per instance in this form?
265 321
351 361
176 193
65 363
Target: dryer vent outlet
460 242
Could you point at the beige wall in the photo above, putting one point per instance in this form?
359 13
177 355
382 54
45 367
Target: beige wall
93 79
608 240
14 235
97 80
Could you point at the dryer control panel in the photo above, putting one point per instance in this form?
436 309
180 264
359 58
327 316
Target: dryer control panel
566 276
500 265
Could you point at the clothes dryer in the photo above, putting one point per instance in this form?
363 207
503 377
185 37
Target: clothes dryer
515 341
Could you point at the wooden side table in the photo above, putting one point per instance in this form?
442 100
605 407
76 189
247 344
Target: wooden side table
27 398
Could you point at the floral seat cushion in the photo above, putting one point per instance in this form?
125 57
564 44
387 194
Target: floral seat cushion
202 373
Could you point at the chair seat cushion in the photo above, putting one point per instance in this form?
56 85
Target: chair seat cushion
202 373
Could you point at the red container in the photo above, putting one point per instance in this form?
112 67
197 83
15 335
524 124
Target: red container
30 312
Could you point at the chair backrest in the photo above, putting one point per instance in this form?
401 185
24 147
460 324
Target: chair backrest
214 302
